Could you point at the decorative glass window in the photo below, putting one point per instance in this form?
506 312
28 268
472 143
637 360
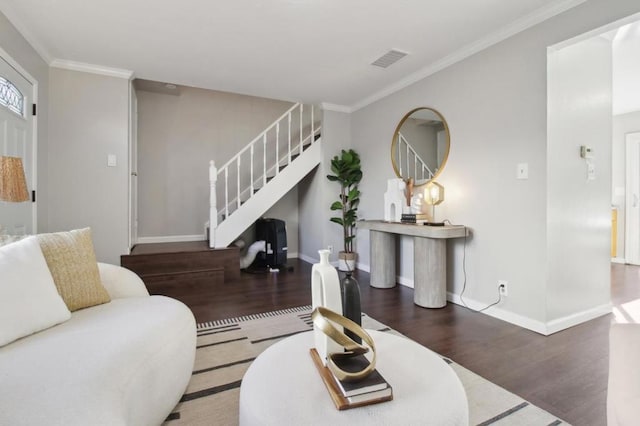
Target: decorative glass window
11 97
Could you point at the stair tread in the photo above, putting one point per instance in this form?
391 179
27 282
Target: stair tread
174 247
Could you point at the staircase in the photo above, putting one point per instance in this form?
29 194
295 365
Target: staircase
251 182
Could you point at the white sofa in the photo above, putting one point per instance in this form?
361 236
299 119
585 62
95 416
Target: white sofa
126 362
623 394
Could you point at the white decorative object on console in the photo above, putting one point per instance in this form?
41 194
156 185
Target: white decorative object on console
394 200
325 291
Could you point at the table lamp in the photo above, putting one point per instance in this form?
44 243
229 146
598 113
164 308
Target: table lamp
433 195
13 184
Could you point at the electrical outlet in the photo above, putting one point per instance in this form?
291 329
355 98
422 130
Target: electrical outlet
330 248
503 288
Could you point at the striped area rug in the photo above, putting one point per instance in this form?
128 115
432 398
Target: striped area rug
226 348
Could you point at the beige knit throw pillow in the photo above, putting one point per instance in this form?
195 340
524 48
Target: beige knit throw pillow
72 262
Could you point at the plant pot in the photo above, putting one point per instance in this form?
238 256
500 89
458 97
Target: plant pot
346 261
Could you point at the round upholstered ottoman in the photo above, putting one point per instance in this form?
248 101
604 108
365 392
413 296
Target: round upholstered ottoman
282 386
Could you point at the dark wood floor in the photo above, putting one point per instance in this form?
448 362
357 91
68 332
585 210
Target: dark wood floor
565 374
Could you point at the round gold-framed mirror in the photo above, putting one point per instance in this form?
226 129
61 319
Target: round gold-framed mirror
420 145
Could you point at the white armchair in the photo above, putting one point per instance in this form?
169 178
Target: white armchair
623 395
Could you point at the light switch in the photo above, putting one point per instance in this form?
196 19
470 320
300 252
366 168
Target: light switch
112 160
523 171
591 171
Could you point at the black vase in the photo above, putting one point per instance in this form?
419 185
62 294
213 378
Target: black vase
351 302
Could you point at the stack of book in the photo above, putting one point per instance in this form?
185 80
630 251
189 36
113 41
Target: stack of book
369 390
414 218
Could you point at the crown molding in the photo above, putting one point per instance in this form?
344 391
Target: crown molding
501 34
91 68
336 108
598 32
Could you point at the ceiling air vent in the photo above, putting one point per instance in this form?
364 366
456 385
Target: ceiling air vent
389 58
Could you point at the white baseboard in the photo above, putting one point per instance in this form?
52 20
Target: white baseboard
530 324
363 267
618 260
171 239
497 312
577 318
309 259
405 281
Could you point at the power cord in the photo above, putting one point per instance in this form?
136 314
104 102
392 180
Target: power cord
464 275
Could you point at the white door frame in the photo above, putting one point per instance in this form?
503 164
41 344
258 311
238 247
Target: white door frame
133 166
34 134
632 201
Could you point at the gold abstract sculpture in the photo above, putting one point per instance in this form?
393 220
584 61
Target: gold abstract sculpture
324 319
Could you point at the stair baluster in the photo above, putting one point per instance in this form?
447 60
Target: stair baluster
264 159
251 180
301 111
289 137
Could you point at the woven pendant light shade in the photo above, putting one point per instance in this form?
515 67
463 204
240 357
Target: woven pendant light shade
13 184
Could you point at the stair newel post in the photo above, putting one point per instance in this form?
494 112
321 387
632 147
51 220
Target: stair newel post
301 111
213 207
264 159
226 192
238 179
251 193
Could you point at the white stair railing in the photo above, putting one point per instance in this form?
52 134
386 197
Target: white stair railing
412 162
263 159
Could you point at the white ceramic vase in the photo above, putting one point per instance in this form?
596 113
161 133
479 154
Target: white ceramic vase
325 291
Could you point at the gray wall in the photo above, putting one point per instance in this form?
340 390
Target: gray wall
316 193
21 51
88 121
177 136
578 210
496 105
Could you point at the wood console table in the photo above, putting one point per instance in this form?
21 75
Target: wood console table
429 257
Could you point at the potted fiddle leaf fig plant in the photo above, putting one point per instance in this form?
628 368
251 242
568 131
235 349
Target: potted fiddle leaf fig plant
348 173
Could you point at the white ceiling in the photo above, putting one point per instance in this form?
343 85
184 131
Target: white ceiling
302 50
